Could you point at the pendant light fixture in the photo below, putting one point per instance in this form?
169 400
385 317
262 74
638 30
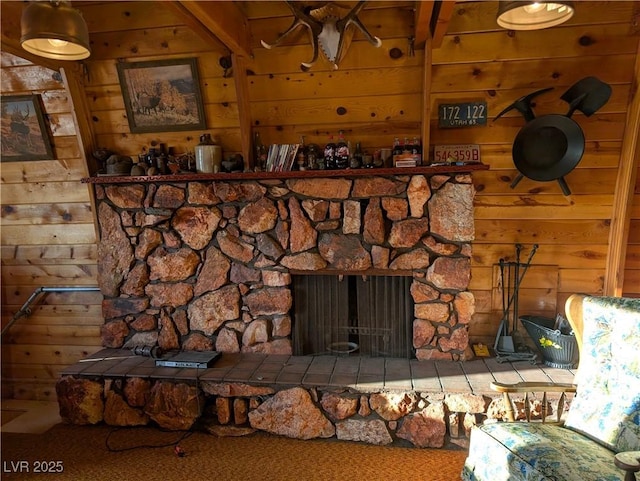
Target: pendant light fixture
533 15
54 29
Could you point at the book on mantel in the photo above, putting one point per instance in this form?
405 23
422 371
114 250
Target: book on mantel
406 163
407 159
281 157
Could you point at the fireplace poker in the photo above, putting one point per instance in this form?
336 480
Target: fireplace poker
504 342
518 281
525 267
516 289
504 346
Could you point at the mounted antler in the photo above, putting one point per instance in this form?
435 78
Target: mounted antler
301 18
327 30
352 18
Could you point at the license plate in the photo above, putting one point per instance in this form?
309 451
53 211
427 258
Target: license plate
466 114
466 153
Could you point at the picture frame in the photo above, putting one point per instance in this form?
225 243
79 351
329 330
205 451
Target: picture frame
162 95
25 133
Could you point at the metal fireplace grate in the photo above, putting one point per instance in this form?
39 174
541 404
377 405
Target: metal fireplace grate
353 315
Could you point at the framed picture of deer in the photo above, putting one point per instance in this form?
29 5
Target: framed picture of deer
25 135
162 95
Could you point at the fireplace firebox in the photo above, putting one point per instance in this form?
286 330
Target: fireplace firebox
367 316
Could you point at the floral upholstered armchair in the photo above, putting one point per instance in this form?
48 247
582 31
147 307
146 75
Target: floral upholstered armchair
600 439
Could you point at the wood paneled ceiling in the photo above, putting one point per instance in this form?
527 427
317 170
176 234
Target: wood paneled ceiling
218 22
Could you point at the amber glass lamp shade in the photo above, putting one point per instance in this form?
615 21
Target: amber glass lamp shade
533 15
54 30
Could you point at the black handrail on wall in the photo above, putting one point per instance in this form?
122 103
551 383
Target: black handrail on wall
25 310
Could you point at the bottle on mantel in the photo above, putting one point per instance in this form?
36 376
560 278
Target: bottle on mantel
342 152
260 156
397 148
416 149
356 159
330 154
312 157
151 158
301 157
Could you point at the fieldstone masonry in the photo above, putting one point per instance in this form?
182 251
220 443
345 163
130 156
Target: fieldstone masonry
236 409
207 266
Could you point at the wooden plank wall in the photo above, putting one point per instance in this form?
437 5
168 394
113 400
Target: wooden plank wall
375 95
381 98
478 61
631 285
143 34
47 240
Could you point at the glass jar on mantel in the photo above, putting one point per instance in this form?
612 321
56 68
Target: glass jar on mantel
150 162
208 155
158 160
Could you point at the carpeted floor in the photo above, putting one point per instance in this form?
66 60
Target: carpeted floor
82 453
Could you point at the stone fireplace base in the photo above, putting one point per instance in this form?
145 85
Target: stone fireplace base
375 400
193 264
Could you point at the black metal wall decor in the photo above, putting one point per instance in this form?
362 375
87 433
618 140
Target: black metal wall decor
550 146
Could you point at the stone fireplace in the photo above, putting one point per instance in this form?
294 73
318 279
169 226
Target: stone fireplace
208 265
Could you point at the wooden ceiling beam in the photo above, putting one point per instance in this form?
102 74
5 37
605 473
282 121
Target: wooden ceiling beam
220 21
244 109
442 12
423 12
432 18
74 84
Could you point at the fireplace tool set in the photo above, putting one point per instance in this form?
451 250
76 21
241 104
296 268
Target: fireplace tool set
511 276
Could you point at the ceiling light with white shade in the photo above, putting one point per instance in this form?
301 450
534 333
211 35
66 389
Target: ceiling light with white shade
533 15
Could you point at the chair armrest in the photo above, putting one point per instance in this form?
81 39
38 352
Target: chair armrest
531 387
628 461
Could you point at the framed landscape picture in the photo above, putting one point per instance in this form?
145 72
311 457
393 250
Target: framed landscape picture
25 135
162 95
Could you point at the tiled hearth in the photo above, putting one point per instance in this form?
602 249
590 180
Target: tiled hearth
358 373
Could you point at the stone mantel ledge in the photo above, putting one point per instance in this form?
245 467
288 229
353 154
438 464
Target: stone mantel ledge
294 174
